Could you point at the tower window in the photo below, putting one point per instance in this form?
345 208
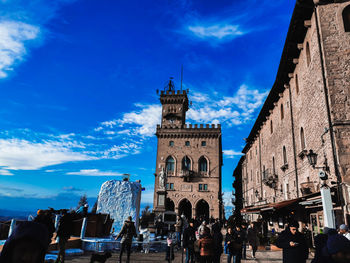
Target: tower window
296 84
187 143
308 56
302 139
203 164
186 164
203 187
271 126
285 161
171 143
170 186
204 143
346 18
170 164
282 112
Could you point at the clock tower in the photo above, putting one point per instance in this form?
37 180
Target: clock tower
174 106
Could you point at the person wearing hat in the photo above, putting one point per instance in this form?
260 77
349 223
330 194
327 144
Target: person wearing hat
293 243
127 233
344 230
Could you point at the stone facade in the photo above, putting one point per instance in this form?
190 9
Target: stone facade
189 158
308 108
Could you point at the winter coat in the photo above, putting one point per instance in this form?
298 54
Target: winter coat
252 237
206 245
235 245
297 254
217 238
189 237
178 226
128 232
320 242
30 231
65 226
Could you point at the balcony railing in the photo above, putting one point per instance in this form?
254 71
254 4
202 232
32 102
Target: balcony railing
187 175
270 178
309 188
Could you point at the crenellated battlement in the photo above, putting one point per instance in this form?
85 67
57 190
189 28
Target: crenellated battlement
173 92
191 126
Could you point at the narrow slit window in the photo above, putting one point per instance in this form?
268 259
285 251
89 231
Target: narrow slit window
346 18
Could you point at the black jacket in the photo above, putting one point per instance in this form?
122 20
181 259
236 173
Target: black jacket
30 231
189 237
128 232
252 237
236 241
217 237
297 254
65 226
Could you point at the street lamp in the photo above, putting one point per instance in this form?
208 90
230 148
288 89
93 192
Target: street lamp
324 189
312 158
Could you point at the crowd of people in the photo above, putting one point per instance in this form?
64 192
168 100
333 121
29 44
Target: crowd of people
201 240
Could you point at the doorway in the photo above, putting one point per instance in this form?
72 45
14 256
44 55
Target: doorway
202 209
169 205
185 208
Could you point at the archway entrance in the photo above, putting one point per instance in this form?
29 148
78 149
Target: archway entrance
185 208
169 205
202 209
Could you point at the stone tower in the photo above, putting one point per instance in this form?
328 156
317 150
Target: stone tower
189 160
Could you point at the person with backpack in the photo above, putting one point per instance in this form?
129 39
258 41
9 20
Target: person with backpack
189 237
127 233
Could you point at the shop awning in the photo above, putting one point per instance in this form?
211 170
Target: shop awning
269 207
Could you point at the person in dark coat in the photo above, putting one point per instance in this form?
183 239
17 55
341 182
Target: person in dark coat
253 239
337 250
244 245
64 231
218 238
45 218
206 246
189 237
127 233
28 243
178 230
294 245
320 242
233 242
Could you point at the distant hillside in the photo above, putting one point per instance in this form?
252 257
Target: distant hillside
9 214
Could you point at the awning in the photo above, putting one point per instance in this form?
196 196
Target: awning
269 207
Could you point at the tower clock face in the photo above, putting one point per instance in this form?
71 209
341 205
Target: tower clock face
172 120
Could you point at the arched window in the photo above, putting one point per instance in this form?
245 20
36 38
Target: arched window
203 164
170 164
296 84
186 163
285 161
308 56
302 139
346 18
282 112
271 126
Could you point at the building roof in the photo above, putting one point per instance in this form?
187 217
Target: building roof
303 10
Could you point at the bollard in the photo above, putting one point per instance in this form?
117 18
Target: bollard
12 226
57 219
83 228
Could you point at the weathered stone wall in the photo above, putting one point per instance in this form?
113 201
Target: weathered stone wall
308 101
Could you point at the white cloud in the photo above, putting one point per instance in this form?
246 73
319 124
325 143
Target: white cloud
216 31
5 172
13 38
17 154
231 153
95 172
119 151
227 199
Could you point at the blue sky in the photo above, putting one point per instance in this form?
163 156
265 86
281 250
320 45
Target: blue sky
78 83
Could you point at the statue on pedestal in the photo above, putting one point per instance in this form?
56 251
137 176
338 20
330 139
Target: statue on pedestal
161 175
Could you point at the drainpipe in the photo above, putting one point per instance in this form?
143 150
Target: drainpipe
293 139
261 184
330 126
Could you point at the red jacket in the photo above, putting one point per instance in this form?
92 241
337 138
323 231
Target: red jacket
206 245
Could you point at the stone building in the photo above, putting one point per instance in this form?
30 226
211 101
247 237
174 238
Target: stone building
189 160
307 111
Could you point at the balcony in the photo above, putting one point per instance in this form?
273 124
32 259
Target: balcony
270 178
187 175
309 188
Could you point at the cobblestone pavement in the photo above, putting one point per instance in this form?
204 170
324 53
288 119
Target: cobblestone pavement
262 257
